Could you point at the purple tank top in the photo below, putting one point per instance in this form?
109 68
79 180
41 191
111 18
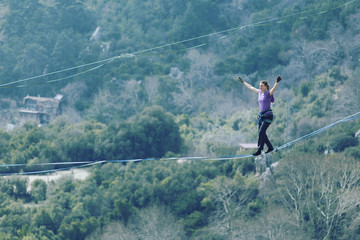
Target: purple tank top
265 100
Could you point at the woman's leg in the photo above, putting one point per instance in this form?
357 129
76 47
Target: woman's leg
262 135
263 126
268 144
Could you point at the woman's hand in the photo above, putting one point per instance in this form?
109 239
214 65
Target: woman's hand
278 79
240 79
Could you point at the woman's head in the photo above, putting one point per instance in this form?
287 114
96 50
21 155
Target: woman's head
264 86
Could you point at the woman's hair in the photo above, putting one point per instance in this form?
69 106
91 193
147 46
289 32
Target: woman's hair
266 84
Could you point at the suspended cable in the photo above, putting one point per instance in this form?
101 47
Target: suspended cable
109 60
309 135
200 158
83 165
227 31
59 79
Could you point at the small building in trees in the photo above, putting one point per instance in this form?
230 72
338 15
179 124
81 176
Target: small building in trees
357 134
41 109
246 146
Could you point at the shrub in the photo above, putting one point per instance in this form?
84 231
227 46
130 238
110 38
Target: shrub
339 144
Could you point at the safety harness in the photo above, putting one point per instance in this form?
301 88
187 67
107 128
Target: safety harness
266 116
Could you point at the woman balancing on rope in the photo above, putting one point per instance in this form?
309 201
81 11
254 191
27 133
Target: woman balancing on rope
265 116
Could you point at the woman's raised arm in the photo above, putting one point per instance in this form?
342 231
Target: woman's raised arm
278 79
248 85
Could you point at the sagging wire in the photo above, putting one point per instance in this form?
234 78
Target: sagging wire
200 158
276 20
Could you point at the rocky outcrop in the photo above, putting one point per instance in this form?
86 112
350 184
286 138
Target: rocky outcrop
265 167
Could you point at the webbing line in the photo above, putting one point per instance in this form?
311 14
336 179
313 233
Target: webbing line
207 158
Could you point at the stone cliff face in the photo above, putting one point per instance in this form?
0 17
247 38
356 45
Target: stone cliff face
265 167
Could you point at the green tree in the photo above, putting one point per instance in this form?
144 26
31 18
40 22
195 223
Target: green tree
4 144
19 187
151 133
262 59
229 196
74 15
305 88
32 60
72 231
76 146
158 132
122 210
38 190
193 222
7 236
340 143
66 50
42 218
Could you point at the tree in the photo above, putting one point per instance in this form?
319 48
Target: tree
76 142
73 15
122 211
157 131
114 231
38 190
19 187
349 96
305 88
151 133
71 231
32 60
154 222
106 108
320 192
151 88
65 51
42 218
4 143
229 197
6 236
166 88
340 143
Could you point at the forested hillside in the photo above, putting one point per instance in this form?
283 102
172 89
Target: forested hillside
156 79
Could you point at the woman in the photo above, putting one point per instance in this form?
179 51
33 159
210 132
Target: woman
265 116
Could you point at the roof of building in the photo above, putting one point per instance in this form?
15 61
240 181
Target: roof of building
357 134
248 145
57 98
29 111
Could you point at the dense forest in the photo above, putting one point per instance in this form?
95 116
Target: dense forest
156 79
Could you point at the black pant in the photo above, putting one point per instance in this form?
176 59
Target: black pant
263 139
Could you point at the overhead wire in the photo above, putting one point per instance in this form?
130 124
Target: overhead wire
103 62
